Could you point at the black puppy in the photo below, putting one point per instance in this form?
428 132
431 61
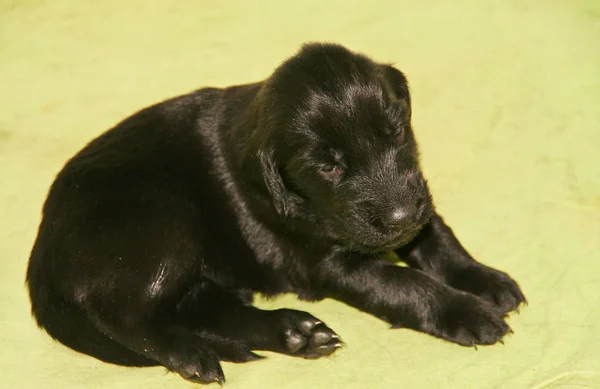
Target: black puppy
155 236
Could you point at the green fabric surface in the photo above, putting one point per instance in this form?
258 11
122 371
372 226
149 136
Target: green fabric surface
506 110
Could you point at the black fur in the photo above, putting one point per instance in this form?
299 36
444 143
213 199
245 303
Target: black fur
155 236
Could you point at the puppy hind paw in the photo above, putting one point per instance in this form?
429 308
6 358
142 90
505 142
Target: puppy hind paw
308 337
203 367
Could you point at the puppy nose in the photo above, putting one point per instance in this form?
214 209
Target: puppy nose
398 216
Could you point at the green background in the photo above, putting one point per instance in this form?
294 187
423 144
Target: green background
506 109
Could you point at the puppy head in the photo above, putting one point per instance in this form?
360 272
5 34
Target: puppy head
340 151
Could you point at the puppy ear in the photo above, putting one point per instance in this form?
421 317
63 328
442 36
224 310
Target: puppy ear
274 182
396 83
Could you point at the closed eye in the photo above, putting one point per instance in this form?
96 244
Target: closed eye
331 172
333 165
399 133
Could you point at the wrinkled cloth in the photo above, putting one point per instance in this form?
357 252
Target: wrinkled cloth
506 98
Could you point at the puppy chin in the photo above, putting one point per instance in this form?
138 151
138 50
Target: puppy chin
369 240
372 242
400 240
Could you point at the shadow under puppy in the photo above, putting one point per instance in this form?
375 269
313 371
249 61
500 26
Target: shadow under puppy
155 236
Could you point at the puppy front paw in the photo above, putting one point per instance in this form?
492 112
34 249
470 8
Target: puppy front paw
468 320
492 285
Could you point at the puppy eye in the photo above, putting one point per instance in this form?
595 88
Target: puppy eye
331 171
399 134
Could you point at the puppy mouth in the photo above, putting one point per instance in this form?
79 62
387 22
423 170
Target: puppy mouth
393 239
397 241
388 242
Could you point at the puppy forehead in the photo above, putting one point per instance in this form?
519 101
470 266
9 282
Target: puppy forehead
357 112
353 145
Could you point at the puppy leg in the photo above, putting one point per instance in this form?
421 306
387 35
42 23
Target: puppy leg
156 337
437 252
409 298
209 307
